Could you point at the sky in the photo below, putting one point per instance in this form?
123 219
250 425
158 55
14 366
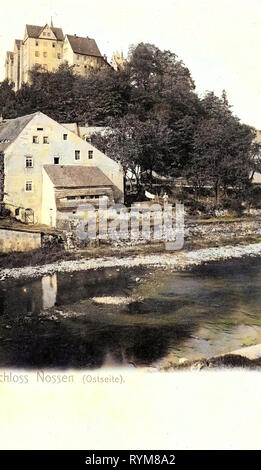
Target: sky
218 40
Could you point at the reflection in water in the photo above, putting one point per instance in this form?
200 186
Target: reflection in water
53 322
49 291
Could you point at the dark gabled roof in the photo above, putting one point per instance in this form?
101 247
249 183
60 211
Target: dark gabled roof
85 46
34 31
11 130
76 176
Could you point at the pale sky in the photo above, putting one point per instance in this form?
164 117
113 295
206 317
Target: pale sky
218 40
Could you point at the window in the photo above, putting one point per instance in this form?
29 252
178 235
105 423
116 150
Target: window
54 45
45 140
36 43
45 54
40 128
44 34
29 162
56 160
28 185
49 35
77 154
65 136
17 211
90 154
35 139
70 198
59 56
36 54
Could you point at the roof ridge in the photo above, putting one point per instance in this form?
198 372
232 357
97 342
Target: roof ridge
84 45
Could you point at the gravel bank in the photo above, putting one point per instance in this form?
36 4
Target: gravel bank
174 260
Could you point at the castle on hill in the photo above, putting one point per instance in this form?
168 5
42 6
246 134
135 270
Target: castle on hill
47 47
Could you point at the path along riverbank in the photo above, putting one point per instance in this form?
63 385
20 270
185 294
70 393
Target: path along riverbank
179 260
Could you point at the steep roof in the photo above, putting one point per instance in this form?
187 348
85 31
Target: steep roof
11 130
75 176
34 31
85 46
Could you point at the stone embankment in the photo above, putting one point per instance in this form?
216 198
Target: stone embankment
180 260
222 230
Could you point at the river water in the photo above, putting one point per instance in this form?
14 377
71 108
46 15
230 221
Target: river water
64 320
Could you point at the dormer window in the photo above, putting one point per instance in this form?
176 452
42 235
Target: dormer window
65 136
90 154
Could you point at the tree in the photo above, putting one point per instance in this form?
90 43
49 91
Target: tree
101 95
155 77
140 147
7 100
224 155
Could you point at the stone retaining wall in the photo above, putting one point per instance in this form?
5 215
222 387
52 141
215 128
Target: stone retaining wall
17 240
222 230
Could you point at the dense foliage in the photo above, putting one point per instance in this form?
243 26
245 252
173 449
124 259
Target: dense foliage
157 121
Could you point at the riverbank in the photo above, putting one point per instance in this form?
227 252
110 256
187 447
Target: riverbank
249 357
180 261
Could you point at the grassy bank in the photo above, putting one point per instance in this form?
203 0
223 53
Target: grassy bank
34 258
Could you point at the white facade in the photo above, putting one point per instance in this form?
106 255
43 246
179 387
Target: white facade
41 142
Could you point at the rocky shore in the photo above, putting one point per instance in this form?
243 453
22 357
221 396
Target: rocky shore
248 357
180 260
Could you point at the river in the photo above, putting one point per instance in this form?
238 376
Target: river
124 317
